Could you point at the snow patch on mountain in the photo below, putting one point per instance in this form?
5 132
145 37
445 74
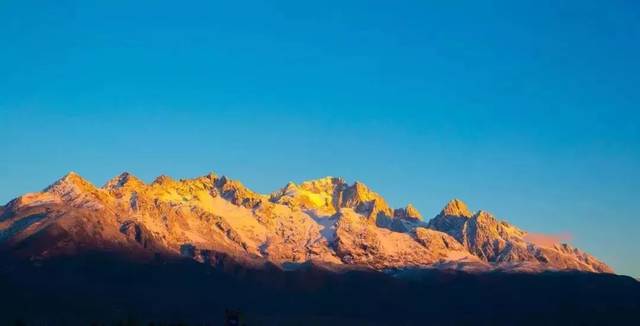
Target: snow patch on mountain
326 221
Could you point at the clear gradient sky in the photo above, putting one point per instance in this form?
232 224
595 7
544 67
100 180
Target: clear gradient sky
528 110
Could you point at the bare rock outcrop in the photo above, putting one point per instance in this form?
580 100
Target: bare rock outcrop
213 219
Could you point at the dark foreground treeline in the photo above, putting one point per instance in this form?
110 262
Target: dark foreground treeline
104 290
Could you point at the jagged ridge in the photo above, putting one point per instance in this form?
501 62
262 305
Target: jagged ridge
325 220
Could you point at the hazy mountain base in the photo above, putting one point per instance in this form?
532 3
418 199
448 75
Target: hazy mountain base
106 288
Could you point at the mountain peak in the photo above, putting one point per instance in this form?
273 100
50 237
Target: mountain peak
412 211
483 215
72 176
75 190
328 180
209 178
122 180
456 207
70 179
162 179
323 185
359 192
409 212
364 200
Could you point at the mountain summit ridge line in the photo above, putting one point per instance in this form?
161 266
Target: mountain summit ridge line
327 221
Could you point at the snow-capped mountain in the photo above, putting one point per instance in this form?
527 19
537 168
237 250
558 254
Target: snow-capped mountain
326 221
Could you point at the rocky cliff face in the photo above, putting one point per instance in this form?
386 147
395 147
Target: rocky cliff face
499 242
327 221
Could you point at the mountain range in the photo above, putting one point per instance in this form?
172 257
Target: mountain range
320 252
327 222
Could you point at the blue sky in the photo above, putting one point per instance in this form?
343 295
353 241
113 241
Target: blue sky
528 110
